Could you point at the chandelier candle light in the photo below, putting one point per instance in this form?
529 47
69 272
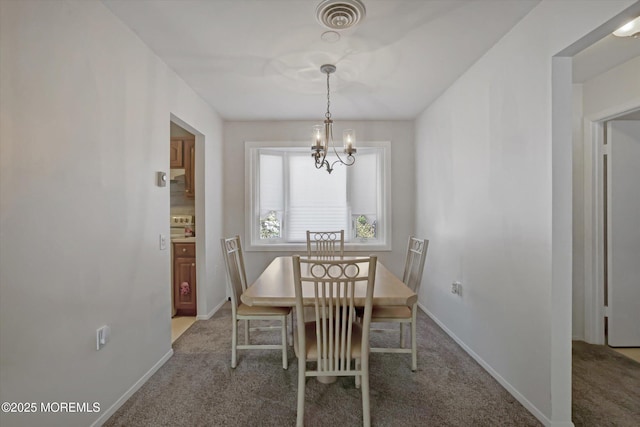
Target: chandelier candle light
323 136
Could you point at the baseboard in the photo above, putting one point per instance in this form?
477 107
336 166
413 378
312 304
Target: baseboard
578 338
210 314
113 408
504 383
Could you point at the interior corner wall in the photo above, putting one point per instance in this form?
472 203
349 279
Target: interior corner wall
484 198
400 133
85 112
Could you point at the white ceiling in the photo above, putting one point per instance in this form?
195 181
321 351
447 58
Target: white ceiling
260 59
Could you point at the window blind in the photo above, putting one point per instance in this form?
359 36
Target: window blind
317 200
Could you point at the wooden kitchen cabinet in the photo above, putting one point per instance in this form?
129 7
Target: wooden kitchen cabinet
189 167
184 279
176 156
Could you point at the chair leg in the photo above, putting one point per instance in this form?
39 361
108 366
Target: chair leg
285 362
401 335
234 342
358 377
291 335
301 387
366 415
246 332
414 344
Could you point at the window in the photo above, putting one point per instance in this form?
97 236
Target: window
287 195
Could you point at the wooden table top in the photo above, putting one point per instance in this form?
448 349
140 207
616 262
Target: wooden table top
275 287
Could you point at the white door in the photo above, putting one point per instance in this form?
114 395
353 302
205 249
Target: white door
623 237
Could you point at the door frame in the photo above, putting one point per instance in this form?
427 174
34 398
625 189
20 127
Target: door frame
594 252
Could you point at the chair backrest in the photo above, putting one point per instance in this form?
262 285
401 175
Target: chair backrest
331 284
414 263
234 263
325 244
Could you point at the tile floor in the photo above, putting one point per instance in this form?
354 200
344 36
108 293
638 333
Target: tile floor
179 324
630 352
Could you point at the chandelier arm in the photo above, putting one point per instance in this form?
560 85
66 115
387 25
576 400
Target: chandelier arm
320 162
350 158
324 164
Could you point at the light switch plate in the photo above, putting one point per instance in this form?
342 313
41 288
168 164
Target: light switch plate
102 336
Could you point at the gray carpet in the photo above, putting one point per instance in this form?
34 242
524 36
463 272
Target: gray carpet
606 387
197 387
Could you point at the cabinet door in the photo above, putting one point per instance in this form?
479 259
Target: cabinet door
189 167
176 154
184 286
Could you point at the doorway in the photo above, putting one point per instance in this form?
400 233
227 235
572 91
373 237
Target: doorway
182 224
621 233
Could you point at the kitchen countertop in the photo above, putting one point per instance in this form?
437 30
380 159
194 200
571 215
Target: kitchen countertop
183 240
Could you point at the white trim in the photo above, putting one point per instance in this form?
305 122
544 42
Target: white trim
504 383
561 238
593 274
210 314
135 387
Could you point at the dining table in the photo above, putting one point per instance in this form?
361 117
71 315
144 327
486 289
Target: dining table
275 288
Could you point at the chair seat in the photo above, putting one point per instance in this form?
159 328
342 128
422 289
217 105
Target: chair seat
390 312
312 343
247 310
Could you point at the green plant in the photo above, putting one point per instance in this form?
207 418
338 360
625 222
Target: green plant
270 226
365 229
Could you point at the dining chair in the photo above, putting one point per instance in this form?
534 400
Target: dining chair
333 338
412 277
325 244
237 281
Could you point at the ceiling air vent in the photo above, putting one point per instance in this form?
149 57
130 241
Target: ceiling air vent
340 14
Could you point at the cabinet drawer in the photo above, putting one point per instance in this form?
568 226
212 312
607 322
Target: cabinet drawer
184 250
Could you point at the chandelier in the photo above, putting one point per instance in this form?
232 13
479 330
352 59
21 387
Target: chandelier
323 136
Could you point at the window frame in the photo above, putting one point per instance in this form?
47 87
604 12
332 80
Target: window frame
252 206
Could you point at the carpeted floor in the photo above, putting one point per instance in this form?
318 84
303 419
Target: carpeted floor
606 387
197 387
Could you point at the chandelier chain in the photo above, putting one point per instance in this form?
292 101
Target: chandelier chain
328 113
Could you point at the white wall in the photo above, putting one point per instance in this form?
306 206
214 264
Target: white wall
85 112
400 133
613 91
484 196
599 98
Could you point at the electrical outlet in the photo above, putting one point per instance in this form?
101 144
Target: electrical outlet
163 242
456 288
